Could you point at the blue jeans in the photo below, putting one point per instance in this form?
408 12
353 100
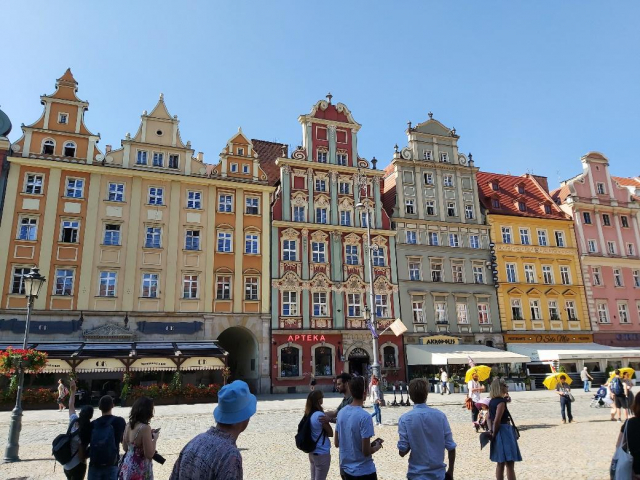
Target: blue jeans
565 403
586 385
377 413
445 387
102 473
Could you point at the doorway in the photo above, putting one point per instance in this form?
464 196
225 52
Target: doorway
358 361
243 355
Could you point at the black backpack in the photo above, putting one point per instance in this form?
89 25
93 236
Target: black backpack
61 446
304 439
104 452
616 387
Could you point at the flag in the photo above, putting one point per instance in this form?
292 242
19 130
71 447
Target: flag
397 327
471 362
372 327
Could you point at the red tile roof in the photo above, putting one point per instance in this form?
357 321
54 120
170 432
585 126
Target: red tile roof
389 189
559 195
627 182
534 196
268 152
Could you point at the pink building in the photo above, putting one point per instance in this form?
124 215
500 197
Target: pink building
606 214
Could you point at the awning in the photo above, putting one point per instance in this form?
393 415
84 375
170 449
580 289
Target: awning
56 366
100 365
459 355
153 364
202 363
550 352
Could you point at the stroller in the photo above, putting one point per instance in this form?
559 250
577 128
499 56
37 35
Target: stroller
599 399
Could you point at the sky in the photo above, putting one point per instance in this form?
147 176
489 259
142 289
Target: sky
529 86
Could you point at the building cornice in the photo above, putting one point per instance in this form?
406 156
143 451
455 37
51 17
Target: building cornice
328 166
566 252
425 164
332 228
618 261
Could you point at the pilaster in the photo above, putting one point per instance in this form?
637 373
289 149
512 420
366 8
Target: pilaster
89 244
209 245
332 145
172 286
6 227
264 251
131 270
238 252
286 193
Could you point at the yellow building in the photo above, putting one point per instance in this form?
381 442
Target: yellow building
540 287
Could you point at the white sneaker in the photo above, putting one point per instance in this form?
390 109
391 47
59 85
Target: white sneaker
377 424
619 421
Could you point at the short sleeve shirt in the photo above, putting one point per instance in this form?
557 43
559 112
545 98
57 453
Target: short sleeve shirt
353 425
324 444
75 443
475 396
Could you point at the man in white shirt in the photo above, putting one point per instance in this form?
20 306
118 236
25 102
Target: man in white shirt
475 389
585 377
444 378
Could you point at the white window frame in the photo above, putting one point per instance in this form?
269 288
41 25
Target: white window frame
319 304
68 280
440 310
142 157
174 161
225 202
299 213
63 118
478 273
597 276
636 278
69 145
534 309
437 274
516 306
116 192
351 257
543 239
417 310
48 142
512 272
428 178
251 288
611 248
321 215
565 275
379 257
354 305
74 188
34 184
73 225
529 273
153 232
245 169
318 252
447 181
27 228
474 241
234 167
554 310
618 278
507 235
592 246
525 236
468 212
570 307
290 299
190 286
430 208
412 237
623 312
226 237
484 313
547 274
382 306
290 254
112 235
108 284
224 287
434 236
345 218
415 269
462 313
191 240
454 240
560 242
451 208
157 159
252 243
603 312
194 199
156 196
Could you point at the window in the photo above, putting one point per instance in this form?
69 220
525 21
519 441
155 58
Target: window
322 156
417 307
289 250
192 240
345 218
440 307
586 217
427 155
321 185
522 206
341 158
478 273
444 157
251 288
554 314
474 241
623 312
606 220
570 307
436 271
462 313
318 252
289 303
33 186
631 249
223 287
142 157
414 270
468 212
617 277
75 188
512 276
158 159
559 239
290 362
323 358
245 168
194 199
63 118
451 209
353 305
17 281
382 306
636 278
600 188
542 238
64 282
344 188
529 274
483 314
240 151
428 178
234 168
625 221
69 149
506 235
447 180
224 242
611 248
28 228
389 356
525 237
321 215
108 283
597 277
351 254
516 309
378 257
116 192
48 147
408 206
299 214
190 286
457 273
174 161
320 304
111 234
534 306
603 312
454 240
411 237
225 203
365 219
495 203
495 185
565 275
431 207
547 274
154 237
251 242
433 239
70 229
156 196
592 246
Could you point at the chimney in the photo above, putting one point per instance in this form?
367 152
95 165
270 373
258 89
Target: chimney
107 148
200 157
542 181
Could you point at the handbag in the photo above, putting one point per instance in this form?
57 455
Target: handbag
622 462
516 432
571 397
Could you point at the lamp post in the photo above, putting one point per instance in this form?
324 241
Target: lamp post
33 281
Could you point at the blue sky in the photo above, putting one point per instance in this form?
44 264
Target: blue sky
529 86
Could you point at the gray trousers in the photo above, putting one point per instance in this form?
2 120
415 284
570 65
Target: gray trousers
319 466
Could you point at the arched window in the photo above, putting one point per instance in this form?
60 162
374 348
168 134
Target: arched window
48 146
290 361
389 356
69 149
323 361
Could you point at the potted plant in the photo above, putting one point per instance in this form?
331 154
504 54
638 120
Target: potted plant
126 389
527 383
30 360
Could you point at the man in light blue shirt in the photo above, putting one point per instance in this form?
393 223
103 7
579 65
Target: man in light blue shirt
425 432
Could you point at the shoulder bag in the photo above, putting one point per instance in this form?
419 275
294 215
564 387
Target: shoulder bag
622 462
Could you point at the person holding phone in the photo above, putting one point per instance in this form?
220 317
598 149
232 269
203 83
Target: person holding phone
139 442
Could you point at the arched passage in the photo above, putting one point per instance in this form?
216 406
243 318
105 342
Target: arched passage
243 355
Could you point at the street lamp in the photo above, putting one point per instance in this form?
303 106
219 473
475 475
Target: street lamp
33 282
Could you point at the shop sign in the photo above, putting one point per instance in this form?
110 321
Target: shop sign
439 340
549 338
100 365
628 337
152 364
202 363
305 338
56 366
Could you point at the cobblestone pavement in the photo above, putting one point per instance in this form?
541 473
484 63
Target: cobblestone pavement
550 450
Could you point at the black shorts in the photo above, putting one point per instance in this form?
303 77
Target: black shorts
621 401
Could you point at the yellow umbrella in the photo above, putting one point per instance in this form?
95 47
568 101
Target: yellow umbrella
482 370
552 380
623 370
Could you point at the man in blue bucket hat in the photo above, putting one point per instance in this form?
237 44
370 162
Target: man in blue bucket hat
213 455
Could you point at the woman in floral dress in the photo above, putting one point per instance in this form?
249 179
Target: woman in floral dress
139 443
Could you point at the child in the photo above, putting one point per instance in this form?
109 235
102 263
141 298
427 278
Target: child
483 414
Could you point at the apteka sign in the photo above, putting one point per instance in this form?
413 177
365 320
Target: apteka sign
306 338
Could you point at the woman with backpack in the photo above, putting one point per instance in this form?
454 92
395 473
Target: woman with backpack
80 429
139 442
320 457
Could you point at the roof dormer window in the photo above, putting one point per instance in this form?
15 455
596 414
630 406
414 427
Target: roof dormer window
240 151
69 149
522 206
495 186
520 188
547 208
495 202
48 146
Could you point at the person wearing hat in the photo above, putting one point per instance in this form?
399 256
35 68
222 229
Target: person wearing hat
214 454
